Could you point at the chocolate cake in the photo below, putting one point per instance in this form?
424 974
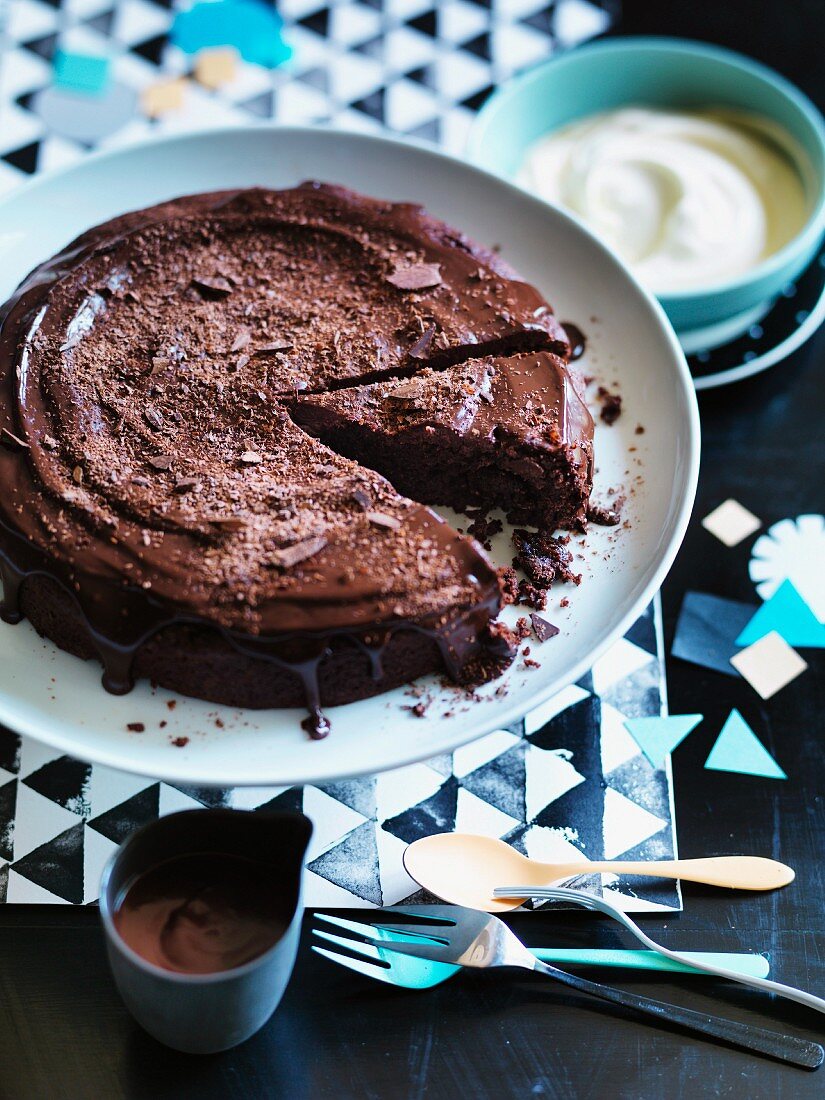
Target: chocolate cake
509 432
162 509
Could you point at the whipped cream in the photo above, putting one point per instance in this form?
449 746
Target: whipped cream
687 200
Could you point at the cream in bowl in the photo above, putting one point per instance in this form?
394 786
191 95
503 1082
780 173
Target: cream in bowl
687 199
717 227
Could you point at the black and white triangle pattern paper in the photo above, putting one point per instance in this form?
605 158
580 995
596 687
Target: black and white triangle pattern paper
417 67
566 783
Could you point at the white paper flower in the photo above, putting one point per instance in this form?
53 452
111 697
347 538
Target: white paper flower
792 550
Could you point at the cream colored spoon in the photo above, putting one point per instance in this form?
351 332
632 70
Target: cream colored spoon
465 869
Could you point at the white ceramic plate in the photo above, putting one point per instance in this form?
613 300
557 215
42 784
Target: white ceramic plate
58 699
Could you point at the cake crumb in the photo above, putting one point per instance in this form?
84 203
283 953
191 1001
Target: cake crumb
509 584
483 528
135 727
611 405
543 558
531 596
180 742
606 515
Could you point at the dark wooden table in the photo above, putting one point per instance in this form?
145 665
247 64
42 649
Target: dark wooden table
65 1034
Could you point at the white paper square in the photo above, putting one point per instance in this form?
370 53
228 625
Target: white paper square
769 664
731 522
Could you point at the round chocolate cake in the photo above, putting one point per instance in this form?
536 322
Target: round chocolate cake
168 501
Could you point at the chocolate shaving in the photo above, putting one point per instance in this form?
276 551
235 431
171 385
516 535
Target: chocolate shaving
241 362
415 276
213 288
160 462
13 441
77 474
274 347
186 484
153 417
381 519
227 523
407 391
50 443
251 458
159 363
542 629
361 499
420 347
288 556
241 340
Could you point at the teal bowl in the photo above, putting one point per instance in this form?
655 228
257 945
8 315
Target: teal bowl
674 74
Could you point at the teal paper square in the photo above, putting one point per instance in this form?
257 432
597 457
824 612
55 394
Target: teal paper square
82 73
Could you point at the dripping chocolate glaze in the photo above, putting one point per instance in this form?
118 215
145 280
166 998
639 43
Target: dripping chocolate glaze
120 403
576 339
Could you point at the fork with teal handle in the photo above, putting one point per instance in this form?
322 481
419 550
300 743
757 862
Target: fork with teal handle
413 973
470 938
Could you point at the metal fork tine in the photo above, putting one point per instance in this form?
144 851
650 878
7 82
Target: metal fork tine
370 970
367 930
421 949
368 950
437 914
415 931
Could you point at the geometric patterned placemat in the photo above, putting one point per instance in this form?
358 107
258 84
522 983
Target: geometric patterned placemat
416 67
568 781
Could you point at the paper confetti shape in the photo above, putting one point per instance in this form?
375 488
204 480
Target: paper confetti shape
707 630
769 664
158 99
731 523
658 737
793 550
739 750
82 73
788 614
253 28
216 67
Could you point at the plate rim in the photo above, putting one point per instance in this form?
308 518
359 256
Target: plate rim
409 754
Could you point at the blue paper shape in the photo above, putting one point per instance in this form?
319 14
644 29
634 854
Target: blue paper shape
81 72
788 614
253 28
739 750
706 633
657 737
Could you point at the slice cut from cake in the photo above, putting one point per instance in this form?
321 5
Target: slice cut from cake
498 432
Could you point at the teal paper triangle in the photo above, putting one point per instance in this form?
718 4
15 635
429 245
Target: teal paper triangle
738 749
658 737
788 614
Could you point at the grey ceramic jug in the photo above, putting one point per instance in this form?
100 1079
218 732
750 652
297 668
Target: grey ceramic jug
206 1013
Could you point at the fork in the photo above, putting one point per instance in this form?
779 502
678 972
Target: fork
592 901
474 939
410 973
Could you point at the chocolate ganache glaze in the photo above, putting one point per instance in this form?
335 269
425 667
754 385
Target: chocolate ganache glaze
161 510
